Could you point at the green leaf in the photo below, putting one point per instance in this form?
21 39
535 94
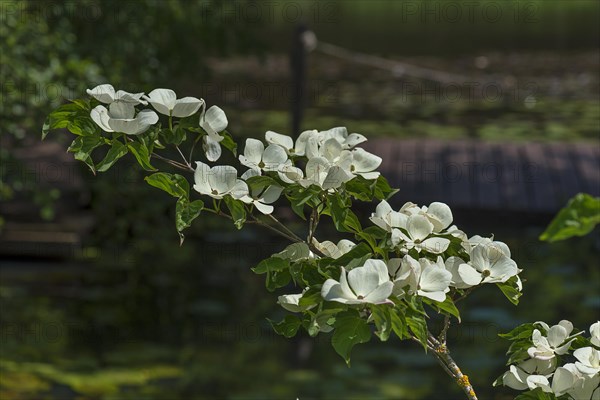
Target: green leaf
288 327
117 150
311 297
343 218
277 270
229 143
578 218
140 151
536 394
237 211
258 183
446 307
174 184
173 137
271 264
415 319
350 330
383 191
82 148
510 288
73 116
383 320
185 213
355 257
360 188
399 325
523 331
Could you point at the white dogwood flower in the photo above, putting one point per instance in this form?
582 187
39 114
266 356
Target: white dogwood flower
364 163
121 118
386 218
423 277
261 197
106 94
367 284
322 173
287 143
258 158
588 360
529 374
418 230
547 347
296 252
218 182
490 263
595 334
165 101
569 380
340 134
213 121
333 250
291 302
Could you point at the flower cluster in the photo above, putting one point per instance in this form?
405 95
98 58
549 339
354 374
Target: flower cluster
122 116
330 160
547 347
420 238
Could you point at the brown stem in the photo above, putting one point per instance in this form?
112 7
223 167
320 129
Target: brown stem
441 352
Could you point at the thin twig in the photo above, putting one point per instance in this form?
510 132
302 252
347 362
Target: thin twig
173 163
182 156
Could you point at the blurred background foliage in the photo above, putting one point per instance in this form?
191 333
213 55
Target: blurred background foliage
132 315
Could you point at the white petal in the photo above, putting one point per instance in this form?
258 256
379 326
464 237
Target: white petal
363 280
126 97
250 173
263 208
316 169
144 120
335 177
163 100
353 139
434 279
103 93
515 378
121 110
418 227
271 194
380 294
253 152
281 140
380 267
469 275
212 148
345 286
290 302
435 245
214 119
595 334
556 335
365 161
186 106
201 184
369 175
332 291
535 381
289 173
99 115
331 149
222 178
442 216
239 189
273 157
562 381
300 147
436 296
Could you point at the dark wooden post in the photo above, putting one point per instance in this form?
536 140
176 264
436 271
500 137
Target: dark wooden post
298 56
